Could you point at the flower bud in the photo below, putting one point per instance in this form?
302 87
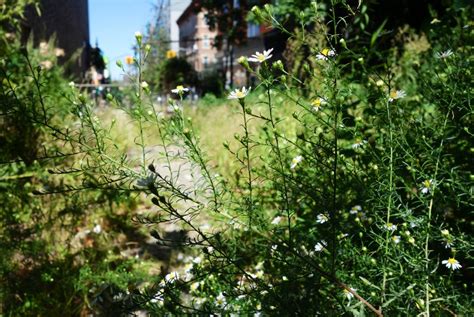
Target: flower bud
146 88
147 49
258 14
278 65
244 62
139 37
343 42
267 8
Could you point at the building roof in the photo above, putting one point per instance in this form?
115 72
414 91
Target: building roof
191 9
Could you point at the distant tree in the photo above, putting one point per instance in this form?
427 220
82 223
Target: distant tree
177 71
156 36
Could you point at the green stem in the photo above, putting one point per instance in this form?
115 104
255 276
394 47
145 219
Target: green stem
249 168
282 169
390 191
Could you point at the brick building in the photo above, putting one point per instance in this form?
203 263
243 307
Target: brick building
196 45
68 22
196 40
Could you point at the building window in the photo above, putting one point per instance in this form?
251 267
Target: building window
253 30
206 42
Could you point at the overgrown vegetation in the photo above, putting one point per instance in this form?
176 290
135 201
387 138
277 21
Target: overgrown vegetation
343 185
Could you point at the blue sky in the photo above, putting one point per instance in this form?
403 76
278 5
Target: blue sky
114 22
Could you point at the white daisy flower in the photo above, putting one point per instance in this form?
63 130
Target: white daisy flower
444 55
276 220
448 244
46 64
199 301
318 103
59 52
97 229
348 294
391 227
158 297
321 218
296 160
43 46
397 94
427 184
358 143
261 57
197 260
354 210
171 277
194 286
325 54
320 246
396 239
239 94
179 90
452 264
220 300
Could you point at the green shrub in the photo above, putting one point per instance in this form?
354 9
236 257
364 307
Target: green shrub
350 191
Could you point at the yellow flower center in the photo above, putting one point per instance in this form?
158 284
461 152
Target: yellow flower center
316 102
240 94
427 183
325 52
394 95
179 88
452 261
261 57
